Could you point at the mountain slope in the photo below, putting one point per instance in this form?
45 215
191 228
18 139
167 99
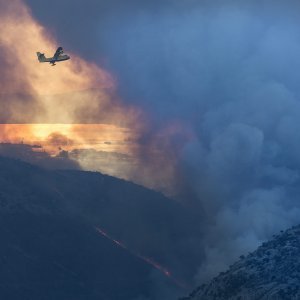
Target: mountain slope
47 257
50 248
270 272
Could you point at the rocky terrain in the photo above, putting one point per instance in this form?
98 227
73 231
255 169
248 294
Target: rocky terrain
270 272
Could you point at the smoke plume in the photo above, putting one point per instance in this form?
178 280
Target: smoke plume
227 73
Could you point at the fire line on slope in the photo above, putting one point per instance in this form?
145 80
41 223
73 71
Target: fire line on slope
147 260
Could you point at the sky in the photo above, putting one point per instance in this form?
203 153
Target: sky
209 91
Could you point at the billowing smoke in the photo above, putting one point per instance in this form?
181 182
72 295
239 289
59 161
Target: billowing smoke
72 105
74 93
228 74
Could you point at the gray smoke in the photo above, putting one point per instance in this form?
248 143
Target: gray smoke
229 72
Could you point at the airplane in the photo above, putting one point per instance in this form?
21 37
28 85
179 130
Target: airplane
58 56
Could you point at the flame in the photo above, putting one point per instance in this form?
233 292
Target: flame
148 260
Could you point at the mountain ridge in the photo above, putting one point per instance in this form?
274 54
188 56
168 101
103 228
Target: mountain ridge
270 272
48 221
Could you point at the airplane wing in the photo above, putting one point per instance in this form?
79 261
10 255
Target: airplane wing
58 52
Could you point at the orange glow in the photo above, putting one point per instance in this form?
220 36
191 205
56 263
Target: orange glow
148 260
22 37
56 137
70 106
74 91
73 106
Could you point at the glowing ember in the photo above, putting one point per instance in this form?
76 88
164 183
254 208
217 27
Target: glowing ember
148 260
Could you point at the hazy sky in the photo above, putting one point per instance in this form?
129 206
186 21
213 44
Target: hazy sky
226 74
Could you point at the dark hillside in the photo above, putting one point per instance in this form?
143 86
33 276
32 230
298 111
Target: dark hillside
50 248
270 272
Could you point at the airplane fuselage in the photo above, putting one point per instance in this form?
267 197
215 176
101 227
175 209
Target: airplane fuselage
63 57
58 56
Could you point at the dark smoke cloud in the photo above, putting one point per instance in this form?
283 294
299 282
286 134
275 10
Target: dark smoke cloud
227 71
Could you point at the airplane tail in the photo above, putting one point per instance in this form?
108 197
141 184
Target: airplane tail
41 57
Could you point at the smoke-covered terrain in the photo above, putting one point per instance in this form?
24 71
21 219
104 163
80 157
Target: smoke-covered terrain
270 272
